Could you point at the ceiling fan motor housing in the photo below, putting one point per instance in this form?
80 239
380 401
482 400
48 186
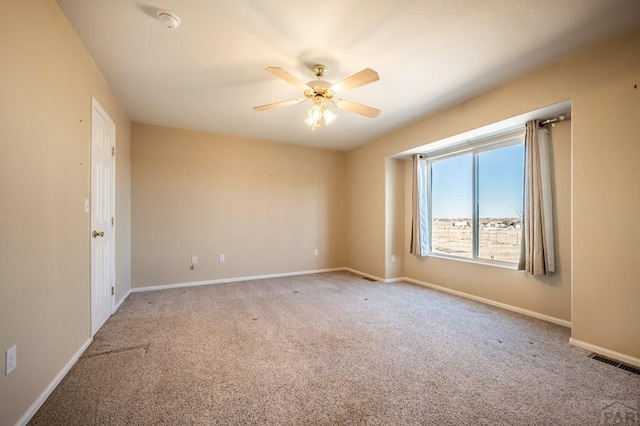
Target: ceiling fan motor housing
319 88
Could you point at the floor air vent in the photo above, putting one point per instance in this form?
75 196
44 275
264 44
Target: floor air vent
625 367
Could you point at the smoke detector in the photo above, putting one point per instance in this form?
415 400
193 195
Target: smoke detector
168 19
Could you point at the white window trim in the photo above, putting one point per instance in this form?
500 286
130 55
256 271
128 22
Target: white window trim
473 146
494 141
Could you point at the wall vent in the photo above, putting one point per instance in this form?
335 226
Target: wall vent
620 365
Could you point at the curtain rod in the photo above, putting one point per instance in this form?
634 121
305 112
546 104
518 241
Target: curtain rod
552 121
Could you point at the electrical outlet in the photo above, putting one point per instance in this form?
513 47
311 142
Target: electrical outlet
316 252
11 360
222 258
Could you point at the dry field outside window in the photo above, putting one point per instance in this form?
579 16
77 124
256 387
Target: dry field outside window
499 238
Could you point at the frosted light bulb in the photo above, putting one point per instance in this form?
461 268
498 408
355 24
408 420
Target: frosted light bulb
315 112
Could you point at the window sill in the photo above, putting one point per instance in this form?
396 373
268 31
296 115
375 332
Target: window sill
498 264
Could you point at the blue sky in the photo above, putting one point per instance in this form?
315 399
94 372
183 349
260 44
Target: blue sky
500 174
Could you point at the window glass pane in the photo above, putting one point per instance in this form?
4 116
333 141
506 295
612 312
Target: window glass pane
500 198
452 206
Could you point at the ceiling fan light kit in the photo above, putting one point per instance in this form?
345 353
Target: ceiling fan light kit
320 91
319 115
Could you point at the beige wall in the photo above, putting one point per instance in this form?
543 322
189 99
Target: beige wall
366 208
47 80
606 187
605 131
395 252
265 206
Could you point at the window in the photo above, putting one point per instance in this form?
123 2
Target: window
475 200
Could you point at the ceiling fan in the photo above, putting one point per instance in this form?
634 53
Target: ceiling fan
320 91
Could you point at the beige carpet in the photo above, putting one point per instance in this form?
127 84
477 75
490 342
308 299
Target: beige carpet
332 349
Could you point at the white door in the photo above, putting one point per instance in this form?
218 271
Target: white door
103 138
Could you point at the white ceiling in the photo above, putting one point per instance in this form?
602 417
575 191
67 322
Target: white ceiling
209 72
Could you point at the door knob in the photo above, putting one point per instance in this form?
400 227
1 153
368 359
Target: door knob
96 234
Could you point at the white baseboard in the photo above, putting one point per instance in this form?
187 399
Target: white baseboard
467 296
33 409
492 303
606 352
395 280
364 274
115 308
231 280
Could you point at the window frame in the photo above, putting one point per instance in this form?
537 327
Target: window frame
473 147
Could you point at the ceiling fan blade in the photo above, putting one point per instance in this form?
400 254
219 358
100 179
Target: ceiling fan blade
367 111
358 79
279 72
279 104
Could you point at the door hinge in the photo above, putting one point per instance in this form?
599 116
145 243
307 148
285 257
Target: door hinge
113 151
113 220
113 291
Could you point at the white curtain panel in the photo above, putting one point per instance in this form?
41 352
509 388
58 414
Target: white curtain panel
419 215
537 254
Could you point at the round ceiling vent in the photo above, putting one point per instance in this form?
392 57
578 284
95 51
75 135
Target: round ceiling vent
168 19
